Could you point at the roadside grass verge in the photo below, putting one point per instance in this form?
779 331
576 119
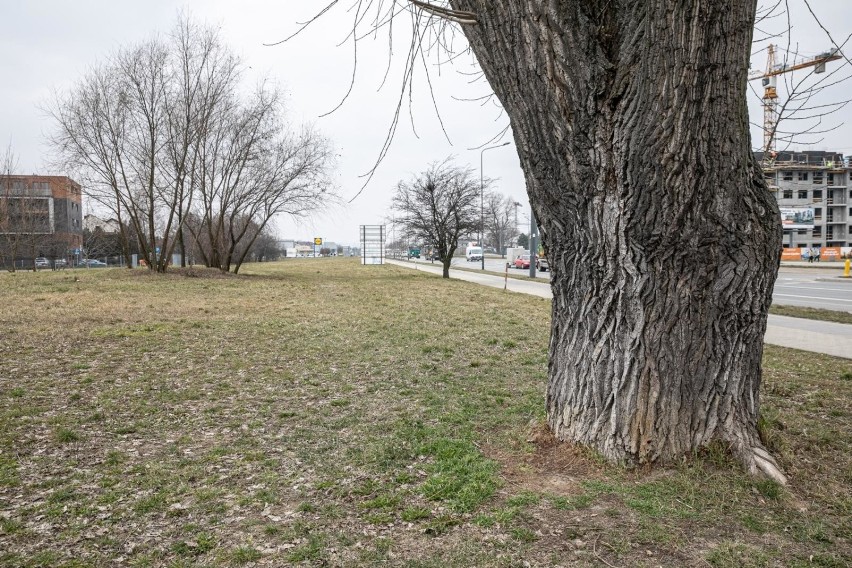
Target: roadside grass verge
812 313
318 412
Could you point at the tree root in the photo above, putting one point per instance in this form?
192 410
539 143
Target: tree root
758 460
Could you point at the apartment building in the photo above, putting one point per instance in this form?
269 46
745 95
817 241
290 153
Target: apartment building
39 216
815 197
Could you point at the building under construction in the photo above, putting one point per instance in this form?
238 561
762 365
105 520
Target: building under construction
814 195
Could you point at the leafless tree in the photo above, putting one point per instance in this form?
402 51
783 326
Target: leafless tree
24 217
500 226
250 170
162 124
8 234
804 106
438 207
633 133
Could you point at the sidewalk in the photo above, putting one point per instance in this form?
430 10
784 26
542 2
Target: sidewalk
796 333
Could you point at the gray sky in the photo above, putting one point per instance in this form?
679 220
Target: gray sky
48 45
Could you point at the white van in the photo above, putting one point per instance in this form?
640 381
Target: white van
473 253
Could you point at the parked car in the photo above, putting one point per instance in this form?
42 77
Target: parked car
542 264
92 263
60 263
42 262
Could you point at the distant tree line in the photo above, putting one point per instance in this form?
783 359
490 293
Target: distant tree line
163 136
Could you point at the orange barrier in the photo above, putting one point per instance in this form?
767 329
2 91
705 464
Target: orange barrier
791 254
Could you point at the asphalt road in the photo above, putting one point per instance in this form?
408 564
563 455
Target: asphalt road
814 288
796 286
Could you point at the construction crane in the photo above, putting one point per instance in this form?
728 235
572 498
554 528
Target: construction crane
769 80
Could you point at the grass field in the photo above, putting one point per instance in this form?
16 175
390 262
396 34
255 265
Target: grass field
322 413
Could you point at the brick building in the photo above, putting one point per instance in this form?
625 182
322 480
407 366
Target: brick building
39 216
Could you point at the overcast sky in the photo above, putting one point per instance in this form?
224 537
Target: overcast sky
48 45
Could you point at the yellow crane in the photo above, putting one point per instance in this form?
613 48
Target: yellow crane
769 80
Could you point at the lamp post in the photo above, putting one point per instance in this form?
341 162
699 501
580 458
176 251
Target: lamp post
516 204
482 201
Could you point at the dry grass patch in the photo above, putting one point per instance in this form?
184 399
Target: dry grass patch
321 413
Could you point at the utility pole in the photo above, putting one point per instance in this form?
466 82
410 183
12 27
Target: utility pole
517 204
533 242
482 201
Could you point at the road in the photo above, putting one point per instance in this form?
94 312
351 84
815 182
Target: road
796 286
813 288
808 335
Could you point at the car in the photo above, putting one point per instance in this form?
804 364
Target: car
60 263
42 262
92 263
523 261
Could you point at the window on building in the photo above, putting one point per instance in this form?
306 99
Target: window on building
817 212
803 231
818 177
830 178
817 231
803 194
803 176
787 176
817 195
787 194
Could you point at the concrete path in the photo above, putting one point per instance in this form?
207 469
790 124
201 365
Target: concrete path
797 333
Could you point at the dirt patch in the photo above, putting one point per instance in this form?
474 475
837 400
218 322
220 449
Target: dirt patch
552 467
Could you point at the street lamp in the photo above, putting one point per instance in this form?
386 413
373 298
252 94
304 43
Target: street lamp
482 201
516 204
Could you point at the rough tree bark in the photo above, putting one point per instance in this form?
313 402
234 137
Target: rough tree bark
631 124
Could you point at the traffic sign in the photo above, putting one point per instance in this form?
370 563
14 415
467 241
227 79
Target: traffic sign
318 241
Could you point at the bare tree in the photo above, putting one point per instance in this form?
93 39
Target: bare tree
796 84
500 226
633 133
25 218
162 125
9 236
439 206
250 170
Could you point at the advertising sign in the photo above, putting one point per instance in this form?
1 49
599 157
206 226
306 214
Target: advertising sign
317 241
797 217
791 254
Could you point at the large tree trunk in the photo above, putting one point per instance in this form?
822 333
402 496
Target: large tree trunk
631 124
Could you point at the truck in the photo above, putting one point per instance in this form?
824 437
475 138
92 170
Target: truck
473 253
514 252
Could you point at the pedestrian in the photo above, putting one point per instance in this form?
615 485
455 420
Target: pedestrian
810 255
816 254
806 254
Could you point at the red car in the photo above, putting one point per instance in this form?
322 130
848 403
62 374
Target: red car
523 261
